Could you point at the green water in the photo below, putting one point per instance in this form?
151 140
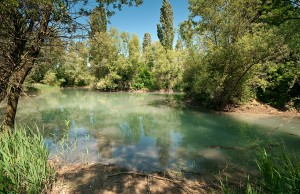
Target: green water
152 131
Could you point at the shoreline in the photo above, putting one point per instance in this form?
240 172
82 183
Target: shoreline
113 179
252 107
257 108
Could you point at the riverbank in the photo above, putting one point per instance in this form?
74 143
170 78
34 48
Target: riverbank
251 107
258 108
111 179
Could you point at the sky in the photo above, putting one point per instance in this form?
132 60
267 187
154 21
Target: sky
144 18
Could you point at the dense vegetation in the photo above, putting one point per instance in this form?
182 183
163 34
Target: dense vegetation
24 164
241 50
227 54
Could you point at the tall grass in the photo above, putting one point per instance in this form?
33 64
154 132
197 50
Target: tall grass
24 164
279 174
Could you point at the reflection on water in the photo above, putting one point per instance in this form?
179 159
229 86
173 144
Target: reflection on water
152 131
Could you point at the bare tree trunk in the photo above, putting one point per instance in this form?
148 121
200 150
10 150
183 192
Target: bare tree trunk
13 96
11 108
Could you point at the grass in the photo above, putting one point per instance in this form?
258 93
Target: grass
279 174
247 188
43 87
24 166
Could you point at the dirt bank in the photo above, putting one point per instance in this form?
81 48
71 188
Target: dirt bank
257 108
110 179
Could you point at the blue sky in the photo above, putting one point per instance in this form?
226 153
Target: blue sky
144 18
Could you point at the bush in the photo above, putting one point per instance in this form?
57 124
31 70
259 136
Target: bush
24 164
51 79
143 80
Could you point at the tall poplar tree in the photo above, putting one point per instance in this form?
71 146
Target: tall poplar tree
146 41
98 21
165 30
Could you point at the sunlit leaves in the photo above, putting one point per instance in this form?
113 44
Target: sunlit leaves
165 30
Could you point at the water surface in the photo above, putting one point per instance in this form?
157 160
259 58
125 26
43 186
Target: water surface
152 131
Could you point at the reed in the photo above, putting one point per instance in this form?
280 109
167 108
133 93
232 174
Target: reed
24 166
280 174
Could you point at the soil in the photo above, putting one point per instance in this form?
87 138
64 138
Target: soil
111 179
258 108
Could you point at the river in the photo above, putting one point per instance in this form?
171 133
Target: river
152 131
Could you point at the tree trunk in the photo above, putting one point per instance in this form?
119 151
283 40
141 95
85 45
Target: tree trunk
13 97
11 108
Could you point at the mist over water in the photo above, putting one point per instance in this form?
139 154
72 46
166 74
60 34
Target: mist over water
153 131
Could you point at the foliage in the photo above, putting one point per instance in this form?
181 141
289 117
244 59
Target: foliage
146 41
98 21
25 26
50 57
280 175
51 79
230 53
103 51
165 31
117 63
166 66
134 50
75 70
143 80
24 164
282 87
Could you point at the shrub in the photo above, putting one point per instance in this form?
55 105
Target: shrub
24 164
52 80
143 80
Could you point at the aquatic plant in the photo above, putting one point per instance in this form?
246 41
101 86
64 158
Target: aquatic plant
24 166
67 150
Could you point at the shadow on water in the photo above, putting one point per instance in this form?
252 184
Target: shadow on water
151 132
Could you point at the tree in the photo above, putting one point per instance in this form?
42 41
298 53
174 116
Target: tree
98 21
179 45
280 85
74 71
146 41
103 51
165 30
50 58
25 25
166 67
235 48
134 49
